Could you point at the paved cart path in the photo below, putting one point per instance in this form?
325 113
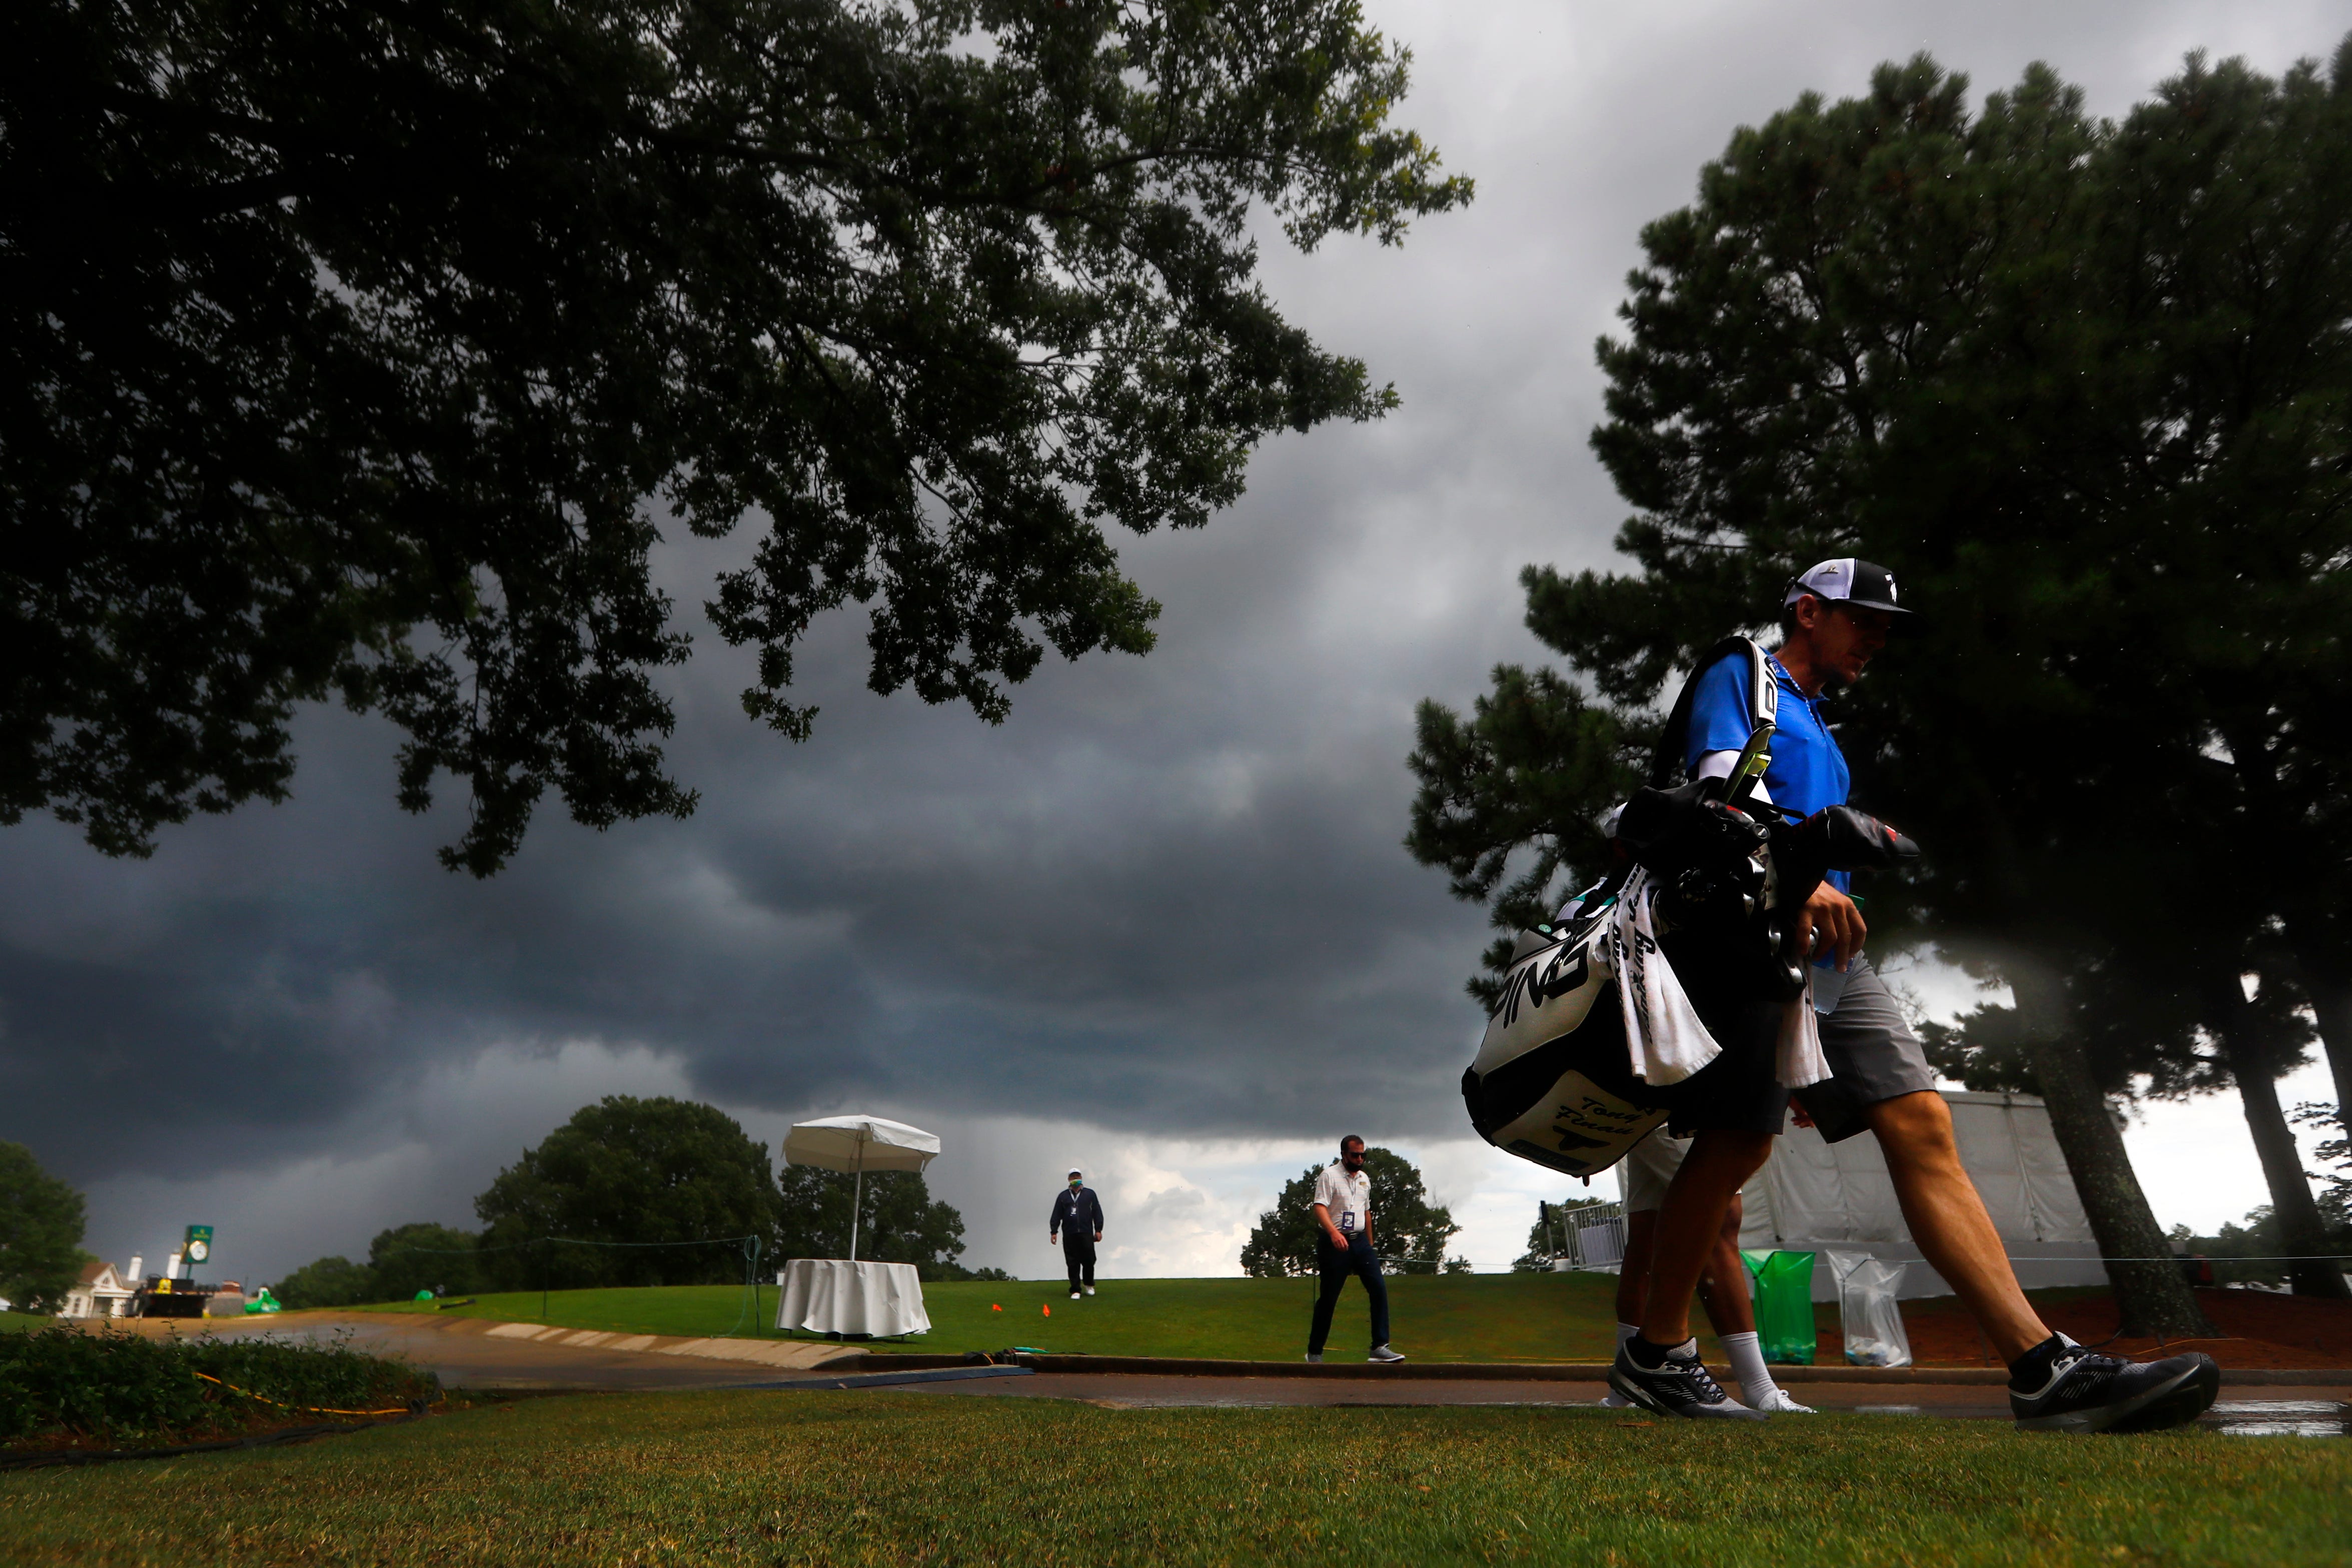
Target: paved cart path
475 1353
2268 1411
479 1354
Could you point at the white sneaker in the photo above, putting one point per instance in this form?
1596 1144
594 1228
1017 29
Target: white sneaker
1073 1295
1315 1356
1090 1290
1776 1402
1382 1353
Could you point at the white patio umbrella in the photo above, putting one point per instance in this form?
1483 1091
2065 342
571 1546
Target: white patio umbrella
859 1144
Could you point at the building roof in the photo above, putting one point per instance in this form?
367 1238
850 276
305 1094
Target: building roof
98 1272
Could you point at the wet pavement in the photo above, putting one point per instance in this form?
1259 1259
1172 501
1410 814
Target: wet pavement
2280 1411
473 1353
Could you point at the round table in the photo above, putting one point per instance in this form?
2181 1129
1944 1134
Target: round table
833 1295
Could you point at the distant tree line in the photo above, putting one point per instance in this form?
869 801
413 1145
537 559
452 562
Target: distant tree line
644 1192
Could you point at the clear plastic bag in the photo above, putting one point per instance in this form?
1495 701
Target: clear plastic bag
1867 1312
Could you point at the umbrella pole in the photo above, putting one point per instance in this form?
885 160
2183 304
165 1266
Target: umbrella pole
858 1201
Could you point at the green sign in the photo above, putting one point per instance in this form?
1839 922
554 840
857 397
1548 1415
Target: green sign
199 1247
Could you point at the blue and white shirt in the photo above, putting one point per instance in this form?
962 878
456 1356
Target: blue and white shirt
1808 771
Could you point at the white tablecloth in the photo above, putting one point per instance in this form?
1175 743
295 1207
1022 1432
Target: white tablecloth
833 1295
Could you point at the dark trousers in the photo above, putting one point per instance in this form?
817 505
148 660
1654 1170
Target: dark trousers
1335 1267
1079 1252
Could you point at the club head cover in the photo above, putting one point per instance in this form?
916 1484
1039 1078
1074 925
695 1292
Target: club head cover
1844 839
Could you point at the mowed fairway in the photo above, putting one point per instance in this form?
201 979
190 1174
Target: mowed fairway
905 1477
1456 1317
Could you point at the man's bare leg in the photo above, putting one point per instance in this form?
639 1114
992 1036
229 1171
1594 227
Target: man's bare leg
1689 1237
1722 1286
1948 1221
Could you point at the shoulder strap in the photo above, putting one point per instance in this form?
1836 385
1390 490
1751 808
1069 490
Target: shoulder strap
1763 704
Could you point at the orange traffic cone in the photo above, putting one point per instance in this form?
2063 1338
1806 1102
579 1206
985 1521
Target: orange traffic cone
1049 1309
995 1307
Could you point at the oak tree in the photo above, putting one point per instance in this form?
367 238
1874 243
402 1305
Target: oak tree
366 351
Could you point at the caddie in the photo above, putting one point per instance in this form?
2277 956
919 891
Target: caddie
1835 618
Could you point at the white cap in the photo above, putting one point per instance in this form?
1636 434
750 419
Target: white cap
1075 1171
1846 580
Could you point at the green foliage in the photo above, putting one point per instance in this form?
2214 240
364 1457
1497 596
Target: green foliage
362 352
587 1206
422 1256
119 1387
1407 1230
329 1283
40 1233
899 1223
2262 1241
1527 777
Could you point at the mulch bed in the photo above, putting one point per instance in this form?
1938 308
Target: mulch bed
2257 1330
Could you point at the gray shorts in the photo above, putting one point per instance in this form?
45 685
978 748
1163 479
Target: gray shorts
1872 1056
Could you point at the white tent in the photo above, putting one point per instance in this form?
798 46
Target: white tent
1813 1195
859 1144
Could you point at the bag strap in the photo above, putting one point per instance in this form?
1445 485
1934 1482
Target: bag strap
1763 704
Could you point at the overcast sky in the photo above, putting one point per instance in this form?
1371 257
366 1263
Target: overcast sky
1159 923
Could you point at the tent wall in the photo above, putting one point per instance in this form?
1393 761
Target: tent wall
1813 1195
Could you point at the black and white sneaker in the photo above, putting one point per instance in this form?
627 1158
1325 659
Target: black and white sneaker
1679 1385
2083 1391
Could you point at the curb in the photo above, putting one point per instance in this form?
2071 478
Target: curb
782 1353
1525 1372
887 1379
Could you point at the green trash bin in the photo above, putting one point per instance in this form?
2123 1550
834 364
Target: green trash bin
1782 1284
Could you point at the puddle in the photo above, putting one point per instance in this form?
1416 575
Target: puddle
2280 1418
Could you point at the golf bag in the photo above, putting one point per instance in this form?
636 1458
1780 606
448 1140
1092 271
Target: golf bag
1556 1080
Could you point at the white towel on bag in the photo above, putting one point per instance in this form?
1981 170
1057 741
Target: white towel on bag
1799 1060
1664 1037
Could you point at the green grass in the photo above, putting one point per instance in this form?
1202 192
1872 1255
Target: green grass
819 1479
1456 1317
24 1322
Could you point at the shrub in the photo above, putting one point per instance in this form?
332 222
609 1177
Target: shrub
115 1387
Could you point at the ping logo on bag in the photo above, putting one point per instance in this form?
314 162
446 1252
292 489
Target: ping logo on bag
1552 1083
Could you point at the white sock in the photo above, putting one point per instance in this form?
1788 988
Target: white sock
1613 1399
1747 1358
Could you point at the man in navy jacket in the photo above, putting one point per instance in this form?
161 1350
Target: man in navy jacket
1078 1224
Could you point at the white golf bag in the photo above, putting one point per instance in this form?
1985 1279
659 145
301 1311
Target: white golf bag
1556 1078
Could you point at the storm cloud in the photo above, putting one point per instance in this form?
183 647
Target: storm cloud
1158 920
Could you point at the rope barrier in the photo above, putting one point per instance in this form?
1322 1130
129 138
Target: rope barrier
312 1409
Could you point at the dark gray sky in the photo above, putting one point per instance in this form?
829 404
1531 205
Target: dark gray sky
1160 922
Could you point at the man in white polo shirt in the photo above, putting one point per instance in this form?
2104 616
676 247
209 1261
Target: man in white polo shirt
1343 1246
